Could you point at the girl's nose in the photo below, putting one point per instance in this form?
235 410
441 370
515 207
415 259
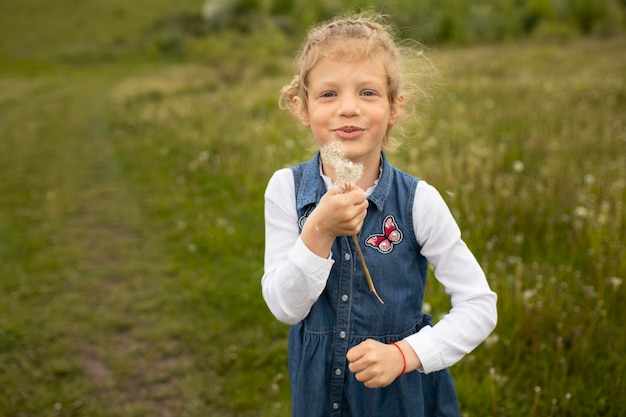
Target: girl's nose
348 106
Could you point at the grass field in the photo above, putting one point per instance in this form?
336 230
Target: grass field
131 229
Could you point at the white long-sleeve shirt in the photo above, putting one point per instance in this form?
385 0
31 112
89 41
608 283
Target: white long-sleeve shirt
295 277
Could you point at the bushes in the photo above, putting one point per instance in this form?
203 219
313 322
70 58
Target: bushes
489 21
215 33
458 21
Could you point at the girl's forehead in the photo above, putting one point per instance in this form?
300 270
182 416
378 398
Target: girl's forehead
348 49
347 56
327 70
374 64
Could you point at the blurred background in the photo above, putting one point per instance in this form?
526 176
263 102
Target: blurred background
136 141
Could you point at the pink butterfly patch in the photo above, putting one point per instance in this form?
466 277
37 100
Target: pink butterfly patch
391 235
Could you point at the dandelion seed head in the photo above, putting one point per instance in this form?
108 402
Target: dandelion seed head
615 282
529 294
581 212
332 153
589 291
492 340
181 224
589 179
347 172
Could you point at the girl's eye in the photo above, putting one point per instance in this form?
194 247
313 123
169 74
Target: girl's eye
368 93
327 94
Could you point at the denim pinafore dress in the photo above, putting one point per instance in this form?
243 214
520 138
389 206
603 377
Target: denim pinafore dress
347 313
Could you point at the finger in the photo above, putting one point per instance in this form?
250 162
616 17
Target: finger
366 361
374 383
354 192
360 356
358 195
336 189
357 367
363 371
344 188
342 201
355 353
351 220
353 187
372 377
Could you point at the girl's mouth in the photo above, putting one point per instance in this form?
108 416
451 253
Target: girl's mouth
349 132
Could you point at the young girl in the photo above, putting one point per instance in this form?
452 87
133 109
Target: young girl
349 353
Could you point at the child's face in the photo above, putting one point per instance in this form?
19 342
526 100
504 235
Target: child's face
348 100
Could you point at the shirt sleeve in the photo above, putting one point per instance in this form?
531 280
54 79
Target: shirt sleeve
294 277
473 314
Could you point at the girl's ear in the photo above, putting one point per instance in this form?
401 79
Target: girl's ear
300 111
396 109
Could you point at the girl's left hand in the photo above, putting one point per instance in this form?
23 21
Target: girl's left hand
375 364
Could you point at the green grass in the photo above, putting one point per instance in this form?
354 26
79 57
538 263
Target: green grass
71 30
131 229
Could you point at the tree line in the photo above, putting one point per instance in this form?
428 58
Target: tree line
432 21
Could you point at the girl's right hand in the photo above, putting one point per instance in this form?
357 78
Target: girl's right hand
341 213
338 213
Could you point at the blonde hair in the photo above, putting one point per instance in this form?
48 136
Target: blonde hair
361 36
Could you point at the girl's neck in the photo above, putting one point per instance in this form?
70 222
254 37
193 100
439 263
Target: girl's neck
369 177
371 173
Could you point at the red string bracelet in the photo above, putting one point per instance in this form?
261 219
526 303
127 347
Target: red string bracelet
403 358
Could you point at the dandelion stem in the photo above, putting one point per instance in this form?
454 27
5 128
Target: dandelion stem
368 277
533 408
346 173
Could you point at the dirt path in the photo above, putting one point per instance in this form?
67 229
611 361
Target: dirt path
99 312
